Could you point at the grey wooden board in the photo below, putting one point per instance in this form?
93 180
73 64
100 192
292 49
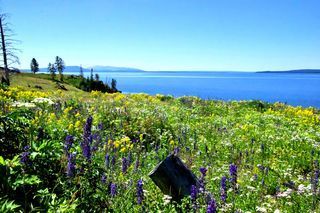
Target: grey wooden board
173 178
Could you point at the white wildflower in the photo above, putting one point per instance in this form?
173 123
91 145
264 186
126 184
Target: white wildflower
43 100
251 188
23 104
285 193
261 209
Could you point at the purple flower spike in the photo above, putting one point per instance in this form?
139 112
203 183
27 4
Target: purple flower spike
233 170
107 160
124 165
140 195
25 156
193 192
193 195
223 189
212 207
113 189
68 143
203 171
202 179
71 166
103 178
87 127
315 177
113 160
86 149
87 139
100 126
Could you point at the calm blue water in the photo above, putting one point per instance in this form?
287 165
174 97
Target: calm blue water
294 89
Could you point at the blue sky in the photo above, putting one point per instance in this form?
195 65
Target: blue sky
244 35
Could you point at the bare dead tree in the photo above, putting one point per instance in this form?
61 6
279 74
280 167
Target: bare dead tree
8 51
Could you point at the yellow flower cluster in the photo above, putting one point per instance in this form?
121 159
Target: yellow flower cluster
124 144
18 93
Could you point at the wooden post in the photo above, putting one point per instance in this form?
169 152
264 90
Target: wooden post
173 178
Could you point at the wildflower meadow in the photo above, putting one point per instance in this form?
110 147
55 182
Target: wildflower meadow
93 152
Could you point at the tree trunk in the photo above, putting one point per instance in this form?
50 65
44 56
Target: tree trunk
4 52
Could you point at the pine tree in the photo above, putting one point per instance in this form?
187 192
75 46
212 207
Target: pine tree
34 66
52 70
59 65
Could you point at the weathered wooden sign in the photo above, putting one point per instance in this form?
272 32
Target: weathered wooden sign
173 178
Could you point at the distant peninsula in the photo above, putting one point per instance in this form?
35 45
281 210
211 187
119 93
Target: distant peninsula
95 69
306 71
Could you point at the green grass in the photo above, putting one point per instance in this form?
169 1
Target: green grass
30 81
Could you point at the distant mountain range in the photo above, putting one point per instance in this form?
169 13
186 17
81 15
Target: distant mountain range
76 69
310 71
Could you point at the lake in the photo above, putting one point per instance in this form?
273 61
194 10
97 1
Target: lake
292 88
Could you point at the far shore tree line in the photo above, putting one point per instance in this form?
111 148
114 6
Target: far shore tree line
86 84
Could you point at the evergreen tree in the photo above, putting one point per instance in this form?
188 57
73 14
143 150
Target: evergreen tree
96 77
52 70
91 74
114 85
59 65
34 66
81 71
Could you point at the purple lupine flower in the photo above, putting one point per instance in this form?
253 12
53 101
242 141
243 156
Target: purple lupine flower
87 127
103 178
176 150
24 159
193 192
107 160
124 165
71 166
113 160
97 139
212 207
100 126
223 189
203 171
68 143
129 159
233 170
87 139
86 149
315 177
193 195
113 189
140 195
